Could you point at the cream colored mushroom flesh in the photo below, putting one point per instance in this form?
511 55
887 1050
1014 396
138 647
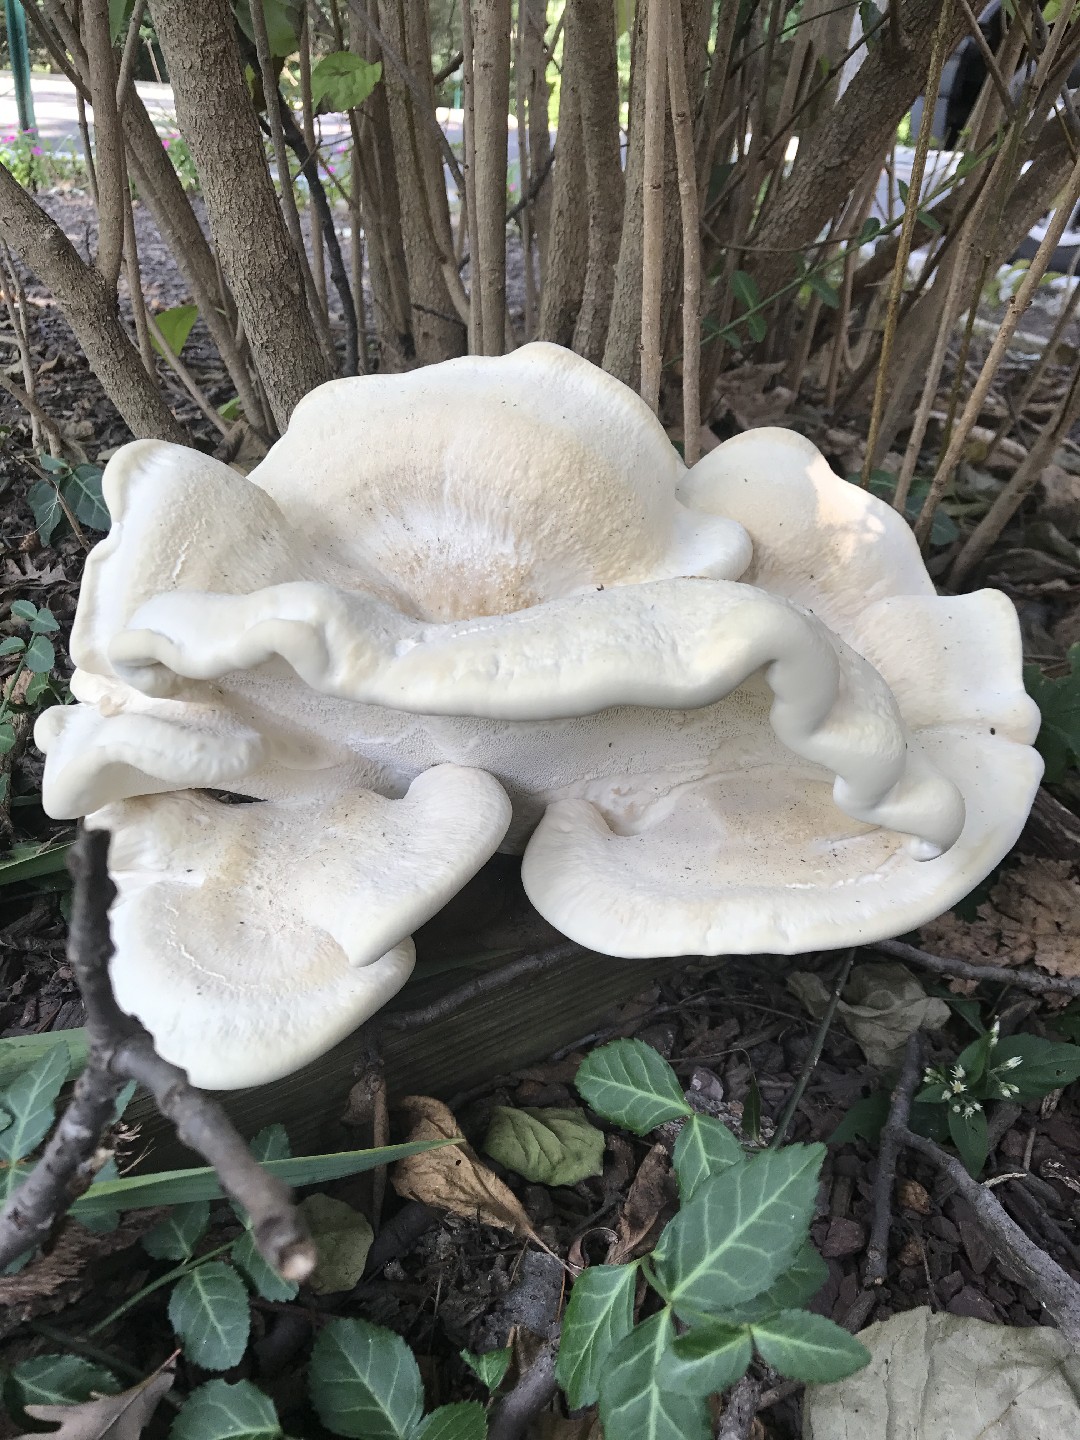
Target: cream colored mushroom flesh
721 710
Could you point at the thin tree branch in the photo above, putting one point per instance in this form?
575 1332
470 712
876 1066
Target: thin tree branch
814 1056
889 1146
535 1389
1022 976
484 984
108 140
120 1049
652 205
690 213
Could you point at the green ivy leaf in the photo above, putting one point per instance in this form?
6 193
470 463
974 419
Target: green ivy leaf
175 326
342 81
464 1420
46 509
808 1347
219 1411
864 1120
548 1146
40 655
598 1318
632 1402
82 491
491 1367
365 1382
263 1277
208 1309
175 1236
705 1147
969 1135
1058 740
708 1358
629 1083
740 1232
59 1380
799 1283
30 1101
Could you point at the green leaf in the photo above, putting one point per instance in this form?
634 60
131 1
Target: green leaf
119 16
271 1143
45 621
799 1283
219 1411
972 1059
82 491
46 509
176 1187
208 1310
751 1115
231 410
598 1318
263 1277
549 1146
826 293
282 24
12 645
59 1380
491 1367
633 1405
52 464
705 1147
40 655
464 1420
31 859
740 1232
628 1083
175 1237
871 228
24 610
745 289
175 326
708 1358
343 81
808 1347
365 1382
864 1120
970 1138
30 1101
19 1052
1058 740
343 1238
757 327
1044 1065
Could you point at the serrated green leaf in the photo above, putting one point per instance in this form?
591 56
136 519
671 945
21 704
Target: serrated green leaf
40 655
708 1358
629 1083
264 1279
740 1232
219 1411
60 1380
365 1382
271 1143
82 491
599 1316
705 1147
547 1146
342 81
11 1177
1058 741
1044 1065
808 1347
19 1052
799 1283
464 1420
208 1309
342 1237
30 1100
491 1367
175 326
176 1187
175 1236
632 1403
969 1135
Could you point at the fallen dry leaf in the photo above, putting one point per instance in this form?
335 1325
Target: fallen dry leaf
651 1194
453 1178
1031 917
111 1417
745 394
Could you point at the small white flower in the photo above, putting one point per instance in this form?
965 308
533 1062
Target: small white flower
958 1071
995 1031
1012 1062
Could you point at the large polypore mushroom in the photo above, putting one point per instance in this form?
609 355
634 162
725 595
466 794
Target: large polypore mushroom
722 710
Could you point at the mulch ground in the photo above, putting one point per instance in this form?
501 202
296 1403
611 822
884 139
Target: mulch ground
735 1034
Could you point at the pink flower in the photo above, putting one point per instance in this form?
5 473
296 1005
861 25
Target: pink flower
165 144
36 150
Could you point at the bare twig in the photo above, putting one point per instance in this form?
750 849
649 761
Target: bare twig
120 1049
690 210
108 141
784 1123
130 55
481 985
535 1389
1023 977
652 202
742 1405
1054 1289
892 1138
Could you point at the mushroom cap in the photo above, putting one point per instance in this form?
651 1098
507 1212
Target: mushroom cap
250 938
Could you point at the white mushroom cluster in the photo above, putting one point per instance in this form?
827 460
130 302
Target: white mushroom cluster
485 605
